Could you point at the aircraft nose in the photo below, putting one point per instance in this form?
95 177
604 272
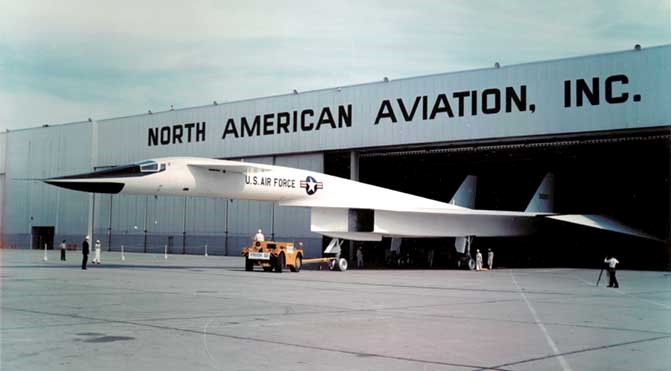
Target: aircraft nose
85 184
101 181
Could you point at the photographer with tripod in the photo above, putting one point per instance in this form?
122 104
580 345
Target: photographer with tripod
612 262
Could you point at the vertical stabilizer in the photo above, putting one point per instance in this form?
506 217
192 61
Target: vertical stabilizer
543 200
465 195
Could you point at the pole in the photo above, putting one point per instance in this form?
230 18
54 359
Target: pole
146 208
226 229
109 227
184 228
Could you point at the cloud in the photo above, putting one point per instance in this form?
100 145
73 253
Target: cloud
102 59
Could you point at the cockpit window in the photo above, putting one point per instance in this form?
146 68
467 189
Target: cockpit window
150 166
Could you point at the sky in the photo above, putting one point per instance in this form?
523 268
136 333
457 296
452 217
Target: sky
66 61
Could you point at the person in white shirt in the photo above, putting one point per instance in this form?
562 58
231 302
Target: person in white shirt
259 236
612 262
62 246
490 259
96 258
478 260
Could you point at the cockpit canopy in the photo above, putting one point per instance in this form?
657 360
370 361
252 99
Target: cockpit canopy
151 166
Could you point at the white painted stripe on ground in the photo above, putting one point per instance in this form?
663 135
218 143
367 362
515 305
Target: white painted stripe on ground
562 361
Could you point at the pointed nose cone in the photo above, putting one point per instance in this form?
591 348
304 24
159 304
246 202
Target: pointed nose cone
101 181
86 184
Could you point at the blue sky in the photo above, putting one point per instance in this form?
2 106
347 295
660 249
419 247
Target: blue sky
66 61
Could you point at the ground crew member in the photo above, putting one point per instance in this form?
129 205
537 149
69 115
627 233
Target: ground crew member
359 258
96 258
612 262
259 236
478 260
85 252
62 246
429 258
490 259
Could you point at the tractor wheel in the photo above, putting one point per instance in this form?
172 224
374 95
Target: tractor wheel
279 263
298 264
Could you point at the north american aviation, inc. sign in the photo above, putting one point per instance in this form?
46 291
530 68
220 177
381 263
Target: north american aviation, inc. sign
465 103
457 104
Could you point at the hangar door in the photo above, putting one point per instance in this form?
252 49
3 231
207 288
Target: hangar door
43 236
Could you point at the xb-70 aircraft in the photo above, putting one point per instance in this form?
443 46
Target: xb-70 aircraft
340 208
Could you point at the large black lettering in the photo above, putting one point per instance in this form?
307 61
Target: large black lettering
200 131
309 126
165 135
152 137
460 95
582 89
283 122
177 132
189 128
567 93
268 124
345 116
512 97
622 79
230 129
255 129
441 105
385 111
408 116
326 118
485 101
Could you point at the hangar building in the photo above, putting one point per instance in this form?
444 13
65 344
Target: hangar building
600 123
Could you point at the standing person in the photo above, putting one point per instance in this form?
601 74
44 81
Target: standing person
259 236
612 262
490 259
85 252
98 248
359 258
429 258
62 246
478 260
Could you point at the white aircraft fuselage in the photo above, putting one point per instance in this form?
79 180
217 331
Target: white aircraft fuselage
340 207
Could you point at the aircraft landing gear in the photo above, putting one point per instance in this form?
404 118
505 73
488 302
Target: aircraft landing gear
466 262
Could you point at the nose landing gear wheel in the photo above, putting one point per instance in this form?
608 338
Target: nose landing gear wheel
338 264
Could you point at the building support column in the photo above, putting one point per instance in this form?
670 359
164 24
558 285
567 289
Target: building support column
353 175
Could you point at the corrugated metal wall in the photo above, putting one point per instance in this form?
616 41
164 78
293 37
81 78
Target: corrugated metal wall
40 153
226 226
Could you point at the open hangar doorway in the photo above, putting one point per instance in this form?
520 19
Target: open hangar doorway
623 175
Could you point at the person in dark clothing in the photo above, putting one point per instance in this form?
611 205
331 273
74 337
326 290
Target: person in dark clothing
85 252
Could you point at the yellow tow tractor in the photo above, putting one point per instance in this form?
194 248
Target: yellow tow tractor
276 255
